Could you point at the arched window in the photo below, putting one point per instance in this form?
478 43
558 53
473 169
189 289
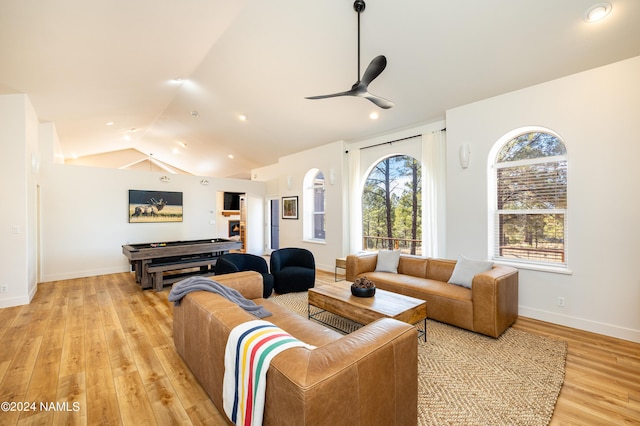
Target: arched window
530 203
391 205
314 205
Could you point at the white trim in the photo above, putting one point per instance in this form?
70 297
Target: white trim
315 241
560 269
580 324
530 161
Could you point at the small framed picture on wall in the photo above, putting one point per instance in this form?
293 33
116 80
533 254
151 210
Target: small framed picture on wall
290 207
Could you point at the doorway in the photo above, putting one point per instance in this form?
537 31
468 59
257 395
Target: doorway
273 225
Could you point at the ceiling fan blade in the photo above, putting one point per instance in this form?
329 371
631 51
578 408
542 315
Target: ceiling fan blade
332 95
381 102
375 68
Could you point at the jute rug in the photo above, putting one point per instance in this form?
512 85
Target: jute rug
465 378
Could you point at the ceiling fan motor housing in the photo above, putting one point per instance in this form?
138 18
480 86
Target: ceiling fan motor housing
359 5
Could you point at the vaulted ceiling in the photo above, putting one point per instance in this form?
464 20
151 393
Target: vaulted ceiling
88 63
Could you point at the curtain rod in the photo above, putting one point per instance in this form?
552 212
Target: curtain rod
390 142
396 140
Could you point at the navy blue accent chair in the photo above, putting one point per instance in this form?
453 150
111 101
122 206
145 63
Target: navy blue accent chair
293 269
239 262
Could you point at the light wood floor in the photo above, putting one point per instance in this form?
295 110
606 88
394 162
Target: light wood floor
102 350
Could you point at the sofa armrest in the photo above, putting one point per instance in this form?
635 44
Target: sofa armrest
359 263
495 300
366 377
248 283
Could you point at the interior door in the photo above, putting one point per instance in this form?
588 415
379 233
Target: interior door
274 224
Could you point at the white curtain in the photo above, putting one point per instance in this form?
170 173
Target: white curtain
433 194
355 205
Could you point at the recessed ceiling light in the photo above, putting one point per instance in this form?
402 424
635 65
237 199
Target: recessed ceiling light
133 130
182 144
195 114
230 156
242 117
597 12
178 80
374 115
109 123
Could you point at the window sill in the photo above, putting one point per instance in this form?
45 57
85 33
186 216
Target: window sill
315 241
532 267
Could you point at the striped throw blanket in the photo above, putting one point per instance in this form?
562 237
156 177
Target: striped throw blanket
250 348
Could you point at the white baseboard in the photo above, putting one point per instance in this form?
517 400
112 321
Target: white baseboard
15 301
581 324
82 274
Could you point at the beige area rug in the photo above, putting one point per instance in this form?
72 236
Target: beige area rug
465 378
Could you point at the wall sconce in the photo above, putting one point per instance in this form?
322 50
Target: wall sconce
332 176
165 179
289 182
35 164
204 182
465 153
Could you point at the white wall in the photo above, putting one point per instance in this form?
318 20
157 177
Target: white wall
270 175
19 139
325 158
596 113
85 216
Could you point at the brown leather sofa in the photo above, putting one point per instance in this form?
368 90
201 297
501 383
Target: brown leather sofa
368 377
489 307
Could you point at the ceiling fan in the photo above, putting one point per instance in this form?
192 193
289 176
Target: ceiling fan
375 68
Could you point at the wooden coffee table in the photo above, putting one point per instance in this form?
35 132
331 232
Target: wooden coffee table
337 299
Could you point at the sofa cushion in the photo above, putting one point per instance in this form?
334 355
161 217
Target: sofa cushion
418 287
414 266
466 269
388 261
440 269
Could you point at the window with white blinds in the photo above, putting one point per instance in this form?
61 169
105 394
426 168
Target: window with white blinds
530 218
318 207
313 206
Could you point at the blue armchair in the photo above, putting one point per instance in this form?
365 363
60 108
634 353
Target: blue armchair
238 262
293 269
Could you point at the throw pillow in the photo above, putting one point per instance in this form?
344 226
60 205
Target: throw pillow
466 269
388 261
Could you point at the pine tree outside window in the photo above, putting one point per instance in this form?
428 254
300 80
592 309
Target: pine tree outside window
392 206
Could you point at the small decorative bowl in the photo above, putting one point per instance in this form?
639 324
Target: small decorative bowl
363 287
363 292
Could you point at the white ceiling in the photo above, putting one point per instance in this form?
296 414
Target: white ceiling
84 63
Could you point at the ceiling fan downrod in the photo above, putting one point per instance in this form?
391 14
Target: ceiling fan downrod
359 6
